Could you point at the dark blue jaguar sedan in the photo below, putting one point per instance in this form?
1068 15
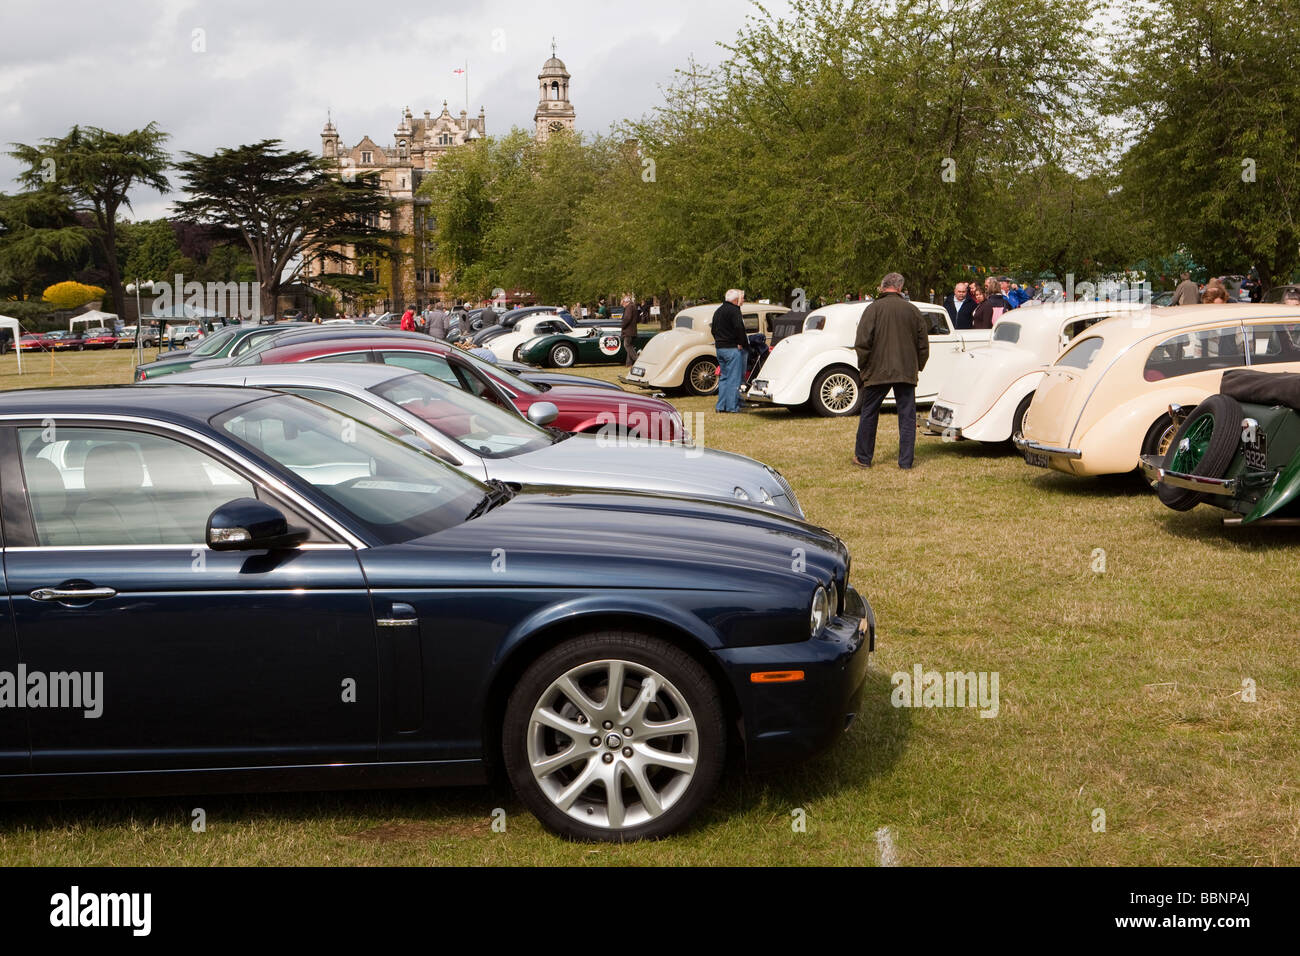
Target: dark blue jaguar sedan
220 589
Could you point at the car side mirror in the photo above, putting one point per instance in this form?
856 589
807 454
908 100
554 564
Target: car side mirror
543 413
246 524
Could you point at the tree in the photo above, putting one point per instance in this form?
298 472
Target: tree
40 241
148 249
72 295
287 206
94 170
1213 161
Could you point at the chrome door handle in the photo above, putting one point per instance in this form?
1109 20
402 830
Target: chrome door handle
72 594
407 617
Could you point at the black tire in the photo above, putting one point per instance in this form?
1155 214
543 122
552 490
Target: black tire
687 681
1018 418
697 373
1224 414
563 355
827 402
1159 439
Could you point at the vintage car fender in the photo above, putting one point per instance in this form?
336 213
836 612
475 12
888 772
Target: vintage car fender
994 424
790 374
1112 444
673 373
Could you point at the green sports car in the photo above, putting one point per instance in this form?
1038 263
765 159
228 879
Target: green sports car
598 345
1238 450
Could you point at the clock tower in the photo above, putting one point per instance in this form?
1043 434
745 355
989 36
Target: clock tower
554 111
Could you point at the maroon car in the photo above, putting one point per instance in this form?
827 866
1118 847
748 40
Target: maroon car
580 409
99 339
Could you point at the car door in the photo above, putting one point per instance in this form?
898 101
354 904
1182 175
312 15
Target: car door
945 349
171 655
15 746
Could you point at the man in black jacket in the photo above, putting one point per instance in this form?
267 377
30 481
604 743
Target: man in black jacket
628 327
732 345
960 305
892 345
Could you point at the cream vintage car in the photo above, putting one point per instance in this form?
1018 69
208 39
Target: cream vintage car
1115 393
818 366
986 394
683 356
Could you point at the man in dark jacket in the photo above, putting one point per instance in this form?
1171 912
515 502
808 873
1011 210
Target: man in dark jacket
961 306
631 315
892 345
732 345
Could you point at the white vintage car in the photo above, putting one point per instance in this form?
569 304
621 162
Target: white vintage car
987 392
819 367
529 327
684 357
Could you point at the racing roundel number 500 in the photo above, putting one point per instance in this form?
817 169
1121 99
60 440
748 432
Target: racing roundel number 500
610 344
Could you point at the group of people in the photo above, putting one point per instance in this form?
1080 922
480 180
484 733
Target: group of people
972 305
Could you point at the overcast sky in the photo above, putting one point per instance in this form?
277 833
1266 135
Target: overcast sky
271 68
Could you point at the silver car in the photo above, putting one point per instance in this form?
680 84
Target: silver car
489 442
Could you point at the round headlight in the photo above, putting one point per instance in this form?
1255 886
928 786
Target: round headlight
820 614
741 493
833 599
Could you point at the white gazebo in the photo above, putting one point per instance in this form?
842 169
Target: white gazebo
94 319
8 323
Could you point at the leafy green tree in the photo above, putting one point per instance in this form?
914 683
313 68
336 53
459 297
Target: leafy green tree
1207 90
40 241
288 207
148 249
95 170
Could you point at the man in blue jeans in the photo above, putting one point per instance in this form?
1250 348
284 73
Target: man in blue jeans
732 345
892 345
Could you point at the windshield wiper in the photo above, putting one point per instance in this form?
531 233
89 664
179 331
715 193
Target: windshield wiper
498 493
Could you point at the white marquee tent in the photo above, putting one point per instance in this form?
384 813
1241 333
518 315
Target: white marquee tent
94 318
8 323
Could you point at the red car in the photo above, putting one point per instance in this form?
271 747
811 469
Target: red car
37 341
580 409
99 339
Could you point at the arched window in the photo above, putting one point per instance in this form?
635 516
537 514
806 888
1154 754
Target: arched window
555 90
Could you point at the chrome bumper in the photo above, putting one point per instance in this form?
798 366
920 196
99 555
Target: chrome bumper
1025 444
1156 472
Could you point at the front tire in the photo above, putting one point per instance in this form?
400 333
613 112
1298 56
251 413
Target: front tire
702 377
837 392
563 356
570 757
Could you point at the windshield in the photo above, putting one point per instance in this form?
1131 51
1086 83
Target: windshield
397 492
472 423
215 343
495 371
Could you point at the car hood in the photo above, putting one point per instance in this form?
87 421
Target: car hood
586 461
602 399
638 540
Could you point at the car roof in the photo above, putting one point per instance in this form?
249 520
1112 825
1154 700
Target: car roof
179 404
1171 319
313 345
358 374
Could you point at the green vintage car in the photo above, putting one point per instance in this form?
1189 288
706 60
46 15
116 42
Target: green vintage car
597 345
1238 450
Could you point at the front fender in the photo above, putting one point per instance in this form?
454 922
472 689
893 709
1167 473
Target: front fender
994 424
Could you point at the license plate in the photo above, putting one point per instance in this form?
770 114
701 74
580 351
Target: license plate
1036 458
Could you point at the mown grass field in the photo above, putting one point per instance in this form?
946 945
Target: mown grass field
1119 691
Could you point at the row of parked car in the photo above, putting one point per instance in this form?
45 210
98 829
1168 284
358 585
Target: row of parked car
414 567
97 338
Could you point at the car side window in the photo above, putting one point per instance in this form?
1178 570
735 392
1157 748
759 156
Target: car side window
430 363
1269 344
1193 352
751 321
938 323
110 486
343 357
472 382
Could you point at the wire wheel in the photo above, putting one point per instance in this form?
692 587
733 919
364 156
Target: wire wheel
612 744
702 377
838 393
563 356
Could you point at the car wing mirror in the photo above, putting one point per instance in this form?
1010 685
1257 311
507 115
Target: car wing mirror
246 524
543 413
